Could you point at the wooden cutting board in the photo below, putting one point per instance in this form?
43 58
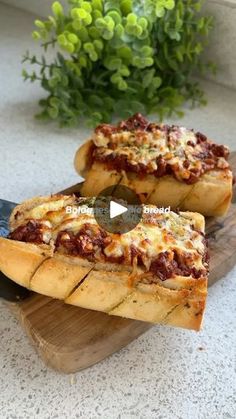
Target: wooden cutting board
70 339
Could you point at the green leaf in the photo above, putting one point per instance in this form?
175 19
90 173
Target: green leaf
119 57
78 13
198 48
156 82
53 21
116 17
77 24
52 112
86 6
161 5
124 71
97 4
54 101
131 19
98 44
137 107
113 63
83 34
119 31
125 52
147 77
25 74
39 24
169 4
82 61
62 40
173 34
36 35
179 54
126 7
146 51
107 35
69 47
94 32
57 9
72 38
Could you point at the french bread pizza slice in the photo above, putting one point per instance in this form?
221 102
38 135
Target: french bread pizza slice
156 272
165 165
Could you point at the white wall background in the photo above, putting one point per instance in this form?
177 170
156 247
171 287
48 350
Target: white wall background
43 7
39 7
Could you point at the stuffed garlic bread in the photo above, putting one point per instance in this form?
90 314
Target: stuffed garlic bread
157 272
164 165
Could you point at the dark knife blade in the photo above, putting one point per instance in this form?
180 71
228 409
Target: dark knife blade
9 290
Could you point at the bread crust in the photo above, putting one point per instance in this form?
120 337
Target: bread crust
19 261
98 179
20 211
160 305
211 195
105 287
56 278
81 160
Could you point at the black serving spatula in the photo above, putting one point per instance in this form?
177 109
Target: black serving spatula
9 290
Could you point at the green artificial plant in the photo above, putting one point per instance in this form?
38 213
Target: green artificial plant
119 57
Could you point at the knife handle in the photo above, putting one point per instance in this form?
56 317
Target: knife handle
9 290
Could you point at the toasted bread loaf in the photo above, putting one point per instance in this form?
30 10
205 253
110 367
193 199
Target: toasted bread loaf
164 165
156 273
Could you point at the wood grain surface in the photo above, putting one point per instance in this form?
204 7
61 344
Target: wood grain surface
70 338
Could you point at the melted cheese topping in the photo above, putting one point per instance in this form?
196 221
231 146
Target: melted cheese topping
166 232
177 146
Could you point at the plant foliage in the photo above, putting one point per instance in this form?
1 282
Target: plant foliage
118 57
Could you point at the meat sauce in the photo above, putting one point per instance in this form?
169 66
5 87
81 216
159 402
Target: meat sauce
83 243
90 242
208 156
164 266
31 232
87 243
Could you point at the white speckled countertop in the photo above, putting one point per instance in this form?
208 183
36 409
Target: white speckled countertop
167 373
